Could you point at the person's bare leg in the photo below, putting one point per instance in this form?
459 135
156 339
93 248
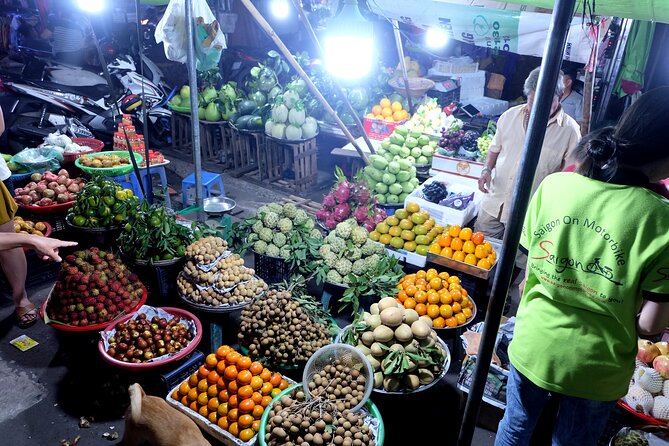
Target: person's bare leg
14 266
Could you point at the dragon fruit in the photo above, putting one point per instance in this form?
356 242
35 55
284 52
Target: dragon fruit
329 202
343 192
331 223
379 217
361 194
342 211
369 225
360 214
322 214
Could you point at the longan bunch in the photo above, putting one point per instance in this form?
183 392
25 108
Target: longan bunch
342 385
206 250
230 277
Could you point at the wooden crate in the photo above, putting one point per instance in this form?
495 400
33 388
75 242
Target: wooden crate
245 147
181 131
216 142
300 158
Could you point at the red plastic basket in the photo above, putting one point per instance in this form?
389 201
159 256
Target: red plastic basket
148 365
647 418
88 328
59 208
95 144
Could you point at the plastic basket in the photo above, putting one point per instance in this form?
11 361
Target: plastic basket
271 269
100 237
418 86
95 145
52 209
110 171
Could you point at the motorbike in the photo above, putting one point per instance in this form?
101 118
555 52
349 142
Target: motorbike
56 95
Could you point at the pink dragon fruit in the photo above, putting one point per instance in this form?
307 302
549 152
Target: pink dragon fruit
360 213
343 192
379 216
322 215
369 225
342 211
331 223
329 202
361 194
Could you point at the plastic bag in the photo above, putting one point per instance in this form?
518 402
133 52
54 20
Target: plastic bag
209 39
38 160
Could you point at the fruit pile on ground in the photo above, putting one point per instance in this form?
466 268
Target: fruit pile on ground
93 287
349 199
409 228
409 145
428 118
47 189
649 387
386 110
101 160
463 245
348 249
29 227
102 204
289 118
214 276
142 339
324 416
278 329
231 391
277 230
401 346
438 296
390 177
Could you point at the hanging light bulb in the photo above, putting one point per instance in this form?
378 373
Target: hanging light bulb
93 6
436 38
280 8
349 43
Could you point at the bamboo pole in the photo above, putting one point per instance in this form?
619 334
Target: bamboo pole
195 121
340 92
589 85
400 53
296 66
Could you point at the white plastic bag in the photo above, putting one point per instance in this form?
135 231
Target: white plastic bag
209 39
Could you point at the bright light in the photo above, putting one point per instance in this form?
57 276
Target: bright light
279 8
93 6
349 57
436 38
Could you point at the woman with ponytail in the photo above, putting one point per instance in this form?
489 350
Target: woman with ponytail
597 241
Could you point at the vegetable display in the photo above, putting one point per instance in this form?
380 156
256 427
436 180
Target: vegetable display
402 348
409 228
289 119
278 329
93 287
349 200
151 234
231 391
48 189
102 204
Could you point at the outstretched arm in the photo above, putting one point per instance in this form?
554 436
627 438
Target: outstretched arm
46 247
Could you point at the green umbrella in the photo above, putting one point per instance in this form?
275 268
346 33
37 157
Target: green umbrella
631 76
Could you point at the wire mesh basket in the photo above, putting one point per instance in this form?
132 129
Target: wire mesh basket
348 356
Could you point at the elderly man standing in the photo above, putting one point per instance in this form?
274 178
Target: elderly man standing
562 135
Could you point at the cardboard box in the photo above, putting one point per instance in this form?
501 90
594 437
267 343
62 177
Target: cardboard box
444 215
378 129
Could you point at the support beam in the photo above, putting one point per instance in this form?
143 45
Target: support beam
194 120
550 70
400 53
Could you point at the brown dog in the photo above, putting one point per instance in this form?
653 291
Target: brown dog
151 419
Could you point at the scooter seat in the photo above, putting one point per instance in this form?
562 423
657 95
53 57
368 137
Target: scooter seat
94 92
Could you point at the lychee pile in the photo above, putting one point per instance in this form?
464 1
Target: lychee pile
93 287
350 199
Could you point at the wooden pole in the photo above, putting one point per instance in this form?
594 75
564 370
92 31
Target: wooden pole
340 92
400 53
296 66
589 85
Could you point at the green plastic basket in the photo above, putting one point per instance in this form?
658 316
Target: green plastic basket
109 171
369 405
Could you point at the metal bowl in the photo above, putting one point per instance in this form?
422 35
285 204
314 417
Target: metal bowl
218 205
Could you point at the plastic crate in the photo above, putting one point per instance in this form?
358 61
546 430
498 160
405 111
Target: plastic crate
271 269
446 68
185 368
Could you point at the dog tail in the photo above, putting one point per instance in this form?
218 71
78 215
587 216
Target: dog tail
136 393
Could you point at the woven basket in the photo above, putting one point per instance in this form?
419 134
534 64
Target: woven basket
110 171
418 86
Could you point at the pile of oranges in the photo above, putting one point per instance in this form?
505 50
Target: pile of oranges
231 391
436 295
464 245
387 111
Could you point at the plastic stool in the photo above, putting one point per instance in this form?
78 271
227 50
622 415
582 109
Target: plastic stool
159 170
209 180
129 181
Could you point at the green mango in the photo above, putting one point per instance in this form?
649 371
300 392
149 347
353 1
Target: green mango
389 178
396 138
378 162
401 130
403 176
407 187
394 149
395 189
411 142
423 140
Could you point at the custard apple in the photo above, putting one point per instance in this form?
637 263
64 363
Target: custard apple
372 260
273 251
330 259
359 267
324 250
285 225
354 254
343 230
346 280
337 245
289 210
260 247
253 237
276 208
343 266
369 248
262 210
301 217
359 235
257 226
279 239
316 233
285 252
630 438
270 220
266 234
309 224
334 277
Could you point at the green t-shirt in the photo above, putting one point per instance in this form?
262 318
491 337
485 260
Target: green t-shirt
593 247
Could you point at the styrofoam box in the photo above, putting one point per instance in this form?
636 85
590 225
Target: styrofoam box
472 85
488 106
457 166
444 215
409 257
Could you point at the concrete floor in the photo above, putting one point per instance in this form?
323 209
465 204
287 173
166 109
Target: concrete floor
45 391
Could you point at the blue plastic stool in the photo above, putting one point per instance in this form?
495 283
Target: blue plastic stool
129 181
209 180
159 170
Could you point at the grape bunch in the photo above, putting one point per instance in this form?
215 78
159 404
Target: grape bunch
451 141
469 141
483 144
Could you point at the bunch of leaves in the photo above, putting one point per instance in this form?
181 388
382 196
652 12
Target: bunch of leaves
313 307
153 234
401 362
209 78
352 334
379 281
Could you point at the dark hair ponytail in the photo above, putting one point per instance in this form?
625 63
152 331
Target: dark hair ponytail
598 154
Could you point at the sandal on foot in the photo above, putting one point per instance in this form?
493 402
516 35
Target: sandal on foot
26 316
